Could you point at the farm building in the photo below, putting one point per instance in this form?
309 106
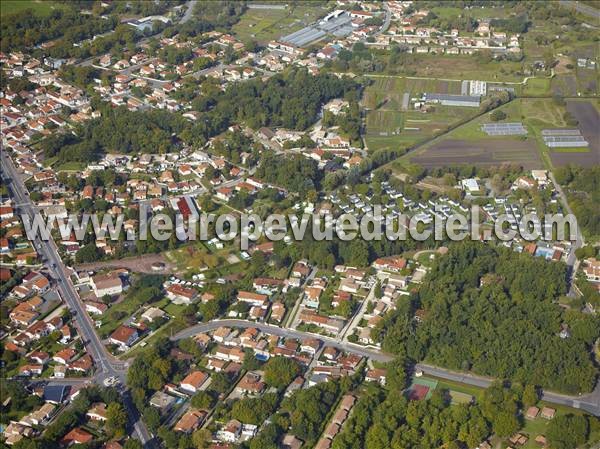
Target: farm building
453 100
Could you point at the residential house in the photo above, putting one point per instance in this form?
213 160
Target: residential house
124 337
190 421
194 381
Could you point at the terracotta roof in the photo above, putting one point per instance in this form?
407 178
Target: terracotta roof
195 379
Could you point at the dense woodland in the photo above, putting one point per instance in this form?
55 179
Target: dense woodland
494 312
583 191
27 29
291 100
66 25
383 418
297 174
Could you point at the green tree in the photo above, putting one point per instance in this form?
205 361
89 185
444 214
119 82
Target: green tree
202 438
116 419
280 371
497 115
567 431
131 443
505 424
530 395
202 400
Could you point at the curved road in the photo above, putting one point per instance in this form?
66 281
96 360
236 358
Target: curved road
582 8
282 332
589 402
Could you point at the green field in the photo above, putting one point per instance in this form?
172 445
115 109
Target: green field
8 7
461 67
472 130
447 12
537 87
571 150
264 25
388 127
536 114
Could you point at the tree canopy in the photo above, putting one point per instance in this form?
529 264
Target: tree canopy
494 312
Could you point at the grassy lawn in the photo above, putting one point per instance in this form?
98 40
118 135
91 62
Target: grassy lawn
264 25
537 87
8 7
476 392
193 257
174 309
571 150
71 166
425 258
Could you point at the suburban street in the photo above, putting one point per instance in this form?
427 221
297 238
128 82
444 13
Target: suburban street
108 365
291 320
282 332
589 402
571 259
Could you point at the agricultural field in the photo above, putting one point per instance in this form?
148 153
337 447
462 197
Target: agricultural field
468 144
447 12
587 116
482 152
459 67
389 126
543 114
264 25
587 81
8 7
564 85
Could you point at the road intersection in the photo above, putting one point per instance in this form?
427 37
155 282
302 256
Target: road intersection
108 365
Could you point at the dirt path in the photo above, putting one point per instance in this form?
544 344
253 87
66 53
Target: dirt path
141 264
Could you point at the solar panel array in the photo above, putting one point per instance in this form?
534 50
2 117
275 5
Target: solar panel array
564 138
561 132
504 129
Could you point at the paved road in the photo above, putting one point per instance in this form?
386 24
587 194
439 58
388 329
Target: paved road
282 332
189 12
582 8
358 314
388 18
589 402
572 262
291 320
107 364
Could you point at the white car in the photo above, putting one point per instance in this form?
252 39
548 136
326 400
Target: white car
110 381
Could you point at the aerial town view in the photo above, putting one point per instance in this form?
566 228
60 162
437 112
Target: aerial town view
325 224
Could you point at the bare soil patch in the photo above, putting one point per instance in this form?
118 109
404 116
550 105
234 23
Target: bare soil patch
480 152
